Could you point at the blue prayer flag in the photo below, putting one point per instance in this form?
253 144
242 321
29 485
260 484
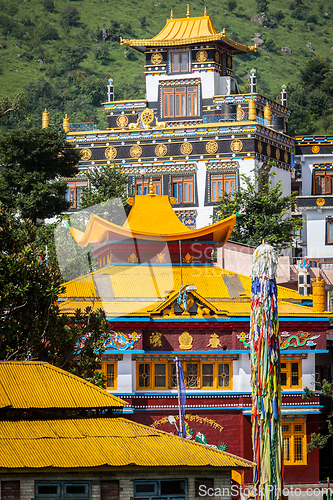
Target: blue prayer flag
182 395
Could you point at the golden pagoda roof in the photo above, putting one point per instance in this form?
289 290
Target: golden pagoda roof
151 217
96 442
33 384
185 31
142 290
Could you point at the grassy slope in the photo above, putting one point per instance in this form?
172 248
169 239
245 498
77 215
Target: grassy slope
146 18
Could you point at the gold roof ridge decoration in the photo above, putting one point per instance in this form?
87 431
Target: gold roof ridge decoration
71 391
187 30
96 442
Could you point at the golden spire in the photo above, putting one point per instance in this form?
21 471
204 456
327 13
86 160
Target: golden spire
188 11
267 112
151 187
205 11
171 15
45 119
65 124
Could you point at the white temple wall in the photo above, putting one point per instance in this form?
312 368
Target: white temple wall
126 374
242 374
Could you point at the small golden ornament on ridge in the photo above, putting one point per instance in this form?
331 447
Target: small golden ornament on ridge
110 153
156 58
161 150
236 146
202 56
185 341
85 154
122 121
212 147
186 148
136 151
214 341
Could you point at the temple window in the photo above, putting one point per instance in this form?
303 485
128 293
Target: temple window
323 181
222 183
182 188
291 374
110 372
178 102
74 193
161 489
180 62
152 375
62 490
294 442
197 375
157 185
329 230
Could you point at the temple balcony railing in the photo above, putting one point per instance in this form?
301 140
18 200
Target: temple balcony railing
260 102
217 118
82 126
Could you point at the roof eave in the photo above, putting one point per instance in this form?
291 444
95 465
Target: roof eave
142 45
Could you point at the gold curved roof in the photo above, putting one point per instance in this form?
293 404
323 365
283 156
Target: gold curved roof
188 30
151 218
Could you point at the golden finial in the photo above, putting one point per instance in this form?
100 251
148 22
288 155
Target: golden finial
171 15
45 119
65 124
205 11
151 187
188 11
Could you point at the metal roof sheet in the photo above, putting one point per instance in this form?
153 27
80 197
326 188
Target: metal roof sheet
32 384
103 441
140 289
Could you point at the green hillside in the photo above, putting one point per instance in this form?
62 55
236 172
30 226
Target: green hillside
55 51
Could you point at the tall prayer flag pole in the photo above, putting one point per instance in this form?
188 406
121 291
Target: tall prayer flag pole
266 376
181 397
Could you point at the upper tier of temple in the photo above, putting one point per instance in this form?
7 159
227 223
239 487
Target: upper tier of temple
151 218
185 31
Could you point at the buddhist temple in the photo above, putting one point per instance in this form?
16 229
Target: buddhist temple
194 133
165 299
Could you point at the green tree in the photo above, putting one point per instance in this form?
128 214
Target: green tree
232 4
31 327
33 162
70 15
314 73
9 106
104 183
267 212
262 5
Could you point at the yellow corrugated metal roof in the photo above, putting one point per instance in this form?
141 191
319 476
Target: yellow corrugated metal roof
115 442
188 30
32 384
111 308
140 281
